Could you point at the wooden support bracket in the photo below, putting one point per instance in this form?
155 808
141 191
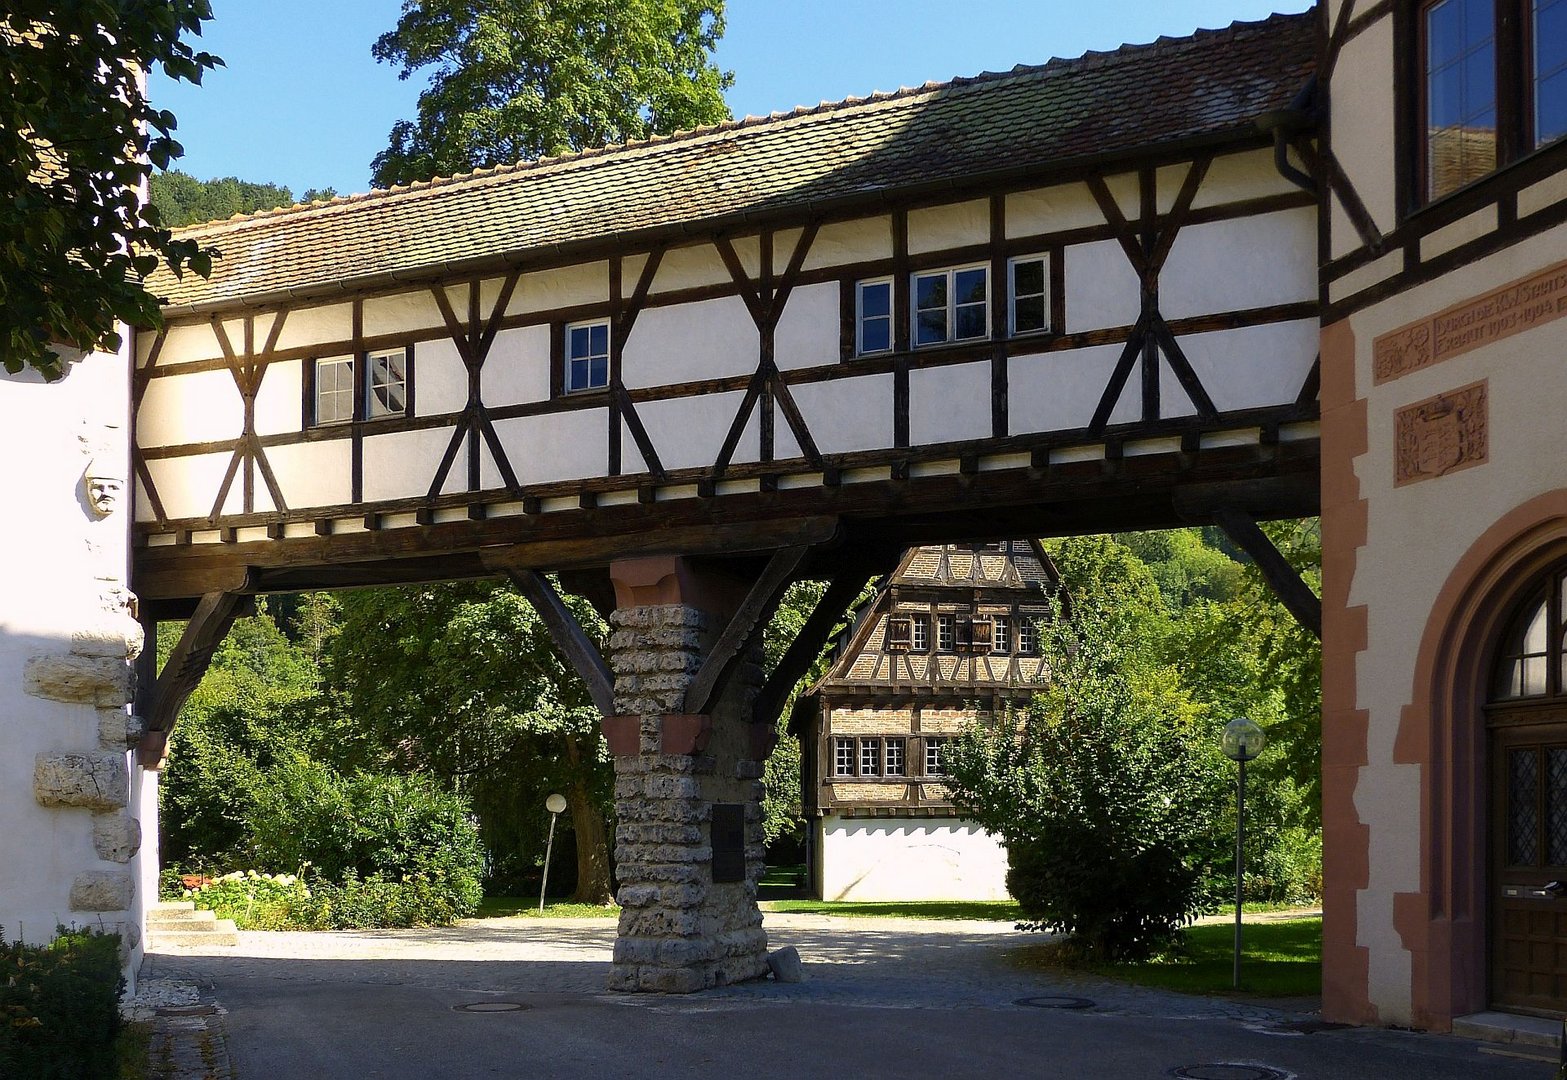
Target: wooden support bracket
1292 592
569 637
808 644
744 629
205 631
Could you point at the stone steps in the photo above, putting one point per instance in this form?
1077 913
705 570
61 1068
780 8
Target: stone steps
179 924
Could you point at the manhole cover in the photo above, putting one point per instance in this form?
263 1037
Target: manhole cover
491 1007
1225 1070
1049 1002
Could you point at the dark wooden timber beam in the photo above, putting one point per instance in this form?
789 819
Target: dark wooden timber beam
569 637
808 644
186 665
1292 592
744 630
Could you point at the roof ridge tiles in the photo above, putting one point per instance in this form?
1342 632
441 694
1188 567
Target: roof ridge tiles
1054 67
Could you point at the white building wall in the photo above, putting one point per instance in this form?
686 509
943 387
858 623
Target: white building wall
902 859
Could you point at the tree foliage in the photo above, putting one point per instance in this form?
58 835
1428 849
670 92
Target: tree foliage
181 199
77 140
513 80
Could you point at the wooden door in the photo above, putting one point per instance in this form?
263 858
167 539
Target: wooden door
1528 863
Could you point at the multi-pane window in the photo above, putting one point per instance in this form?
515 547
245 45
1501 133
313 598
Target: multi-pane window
1029 304
919 633
387 386
1001 634
894 757
1027 635
1523 661
870 757
843 757
946 633
951 305
587 356
934 749
1493 85
334 399
873 316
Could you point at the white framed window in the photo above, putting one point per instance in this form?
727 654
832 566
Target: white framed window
1001 635
919 634
895 757
950 305
873 316
334 396
587 356
386 385
843 757
870 757
1027 635
934 766
946 633
1028 301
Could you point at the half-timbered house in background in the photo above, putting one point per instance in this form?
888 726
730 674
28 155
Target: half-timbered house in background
950 639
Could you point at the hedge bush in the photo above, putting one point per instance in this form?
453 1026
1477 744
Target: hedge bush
59 1007
257 901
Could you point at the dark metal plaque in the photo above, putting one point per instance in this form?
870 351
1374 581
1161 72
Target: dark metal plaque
728 841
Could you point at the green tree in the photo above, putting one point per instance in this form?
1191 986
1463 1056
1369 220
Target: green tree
462 681
77 139
513 80
181 199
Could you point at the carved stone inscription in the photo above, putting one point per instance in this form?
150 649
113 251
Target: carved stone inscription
1512 309
1441 435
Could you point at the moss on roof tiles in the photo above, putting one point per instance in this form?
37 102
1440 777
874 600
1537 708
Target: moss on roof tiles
1101 104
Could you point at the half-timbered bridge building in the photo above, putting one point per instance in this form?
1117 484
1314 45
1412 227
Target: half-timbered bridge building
677 375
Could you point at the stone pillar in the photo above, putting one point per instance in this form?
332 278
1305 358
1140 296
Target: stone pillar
688 921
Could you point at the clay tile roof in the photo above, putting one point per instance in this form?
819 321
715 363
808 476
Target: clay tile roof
1212 84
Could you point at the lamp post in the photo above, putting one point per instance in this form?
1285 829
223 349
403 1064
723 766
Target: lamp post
554 804
1242 741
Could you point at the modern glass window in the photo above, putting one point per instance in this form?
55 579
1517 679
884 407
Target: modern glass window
951 305
919 634
873 316
870 757
1001 635
587 356
1460 89
934 748
334 399
843 757
1029 300
894 758
387 386
1548 32
946 633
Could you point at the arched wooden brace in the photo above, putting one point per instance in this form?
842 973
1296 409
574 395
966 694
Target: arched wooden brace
159 704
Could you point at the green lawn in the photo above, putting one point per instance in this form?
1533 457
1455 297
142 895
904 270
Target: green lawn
1004 911
1280 959
496 907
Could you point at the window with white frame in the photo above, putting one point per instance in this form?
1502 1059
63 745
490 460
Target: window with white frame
334 396
587 356
919 634
386 388
873 316
870 757
894 758
934 748
843 757
951 305
946 633
1027 635
1028 303
1001 636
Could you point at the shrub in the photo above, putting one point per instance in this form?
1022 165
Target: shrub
1109 793
258 901
368 826
59 1011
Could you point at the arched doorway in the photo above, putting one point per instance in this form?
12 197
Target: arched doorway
1526 735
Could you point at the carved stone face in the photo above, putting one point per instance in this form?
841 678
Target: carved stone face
103 493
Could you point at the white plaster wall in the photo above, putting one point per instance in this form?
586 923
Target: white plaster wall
860 240
440 378
188 486
1066 206
55 568
710 339
1246 263
278 402
848 414
315 473
561 446
416 310
567 286
1251 366
1231 178
1060 390
517 368
807 331
689 432
401 464
937 228
1363 142
1102 287
1414 541
949 404
909 859
304 327
696 266
204 406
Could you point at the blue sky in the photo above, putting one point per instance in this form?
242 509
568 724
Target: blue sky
302 103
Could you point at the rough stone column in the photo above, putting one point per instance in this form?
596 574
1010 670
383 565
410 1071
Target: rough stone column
680 930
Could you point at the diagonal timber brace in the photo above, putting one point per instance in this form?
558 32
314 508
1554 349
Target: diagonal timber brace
213 617
1292 592
569 637
808 644
744 630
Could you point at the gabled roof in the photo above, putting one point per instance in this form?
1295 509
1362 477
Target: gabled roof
1100 106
